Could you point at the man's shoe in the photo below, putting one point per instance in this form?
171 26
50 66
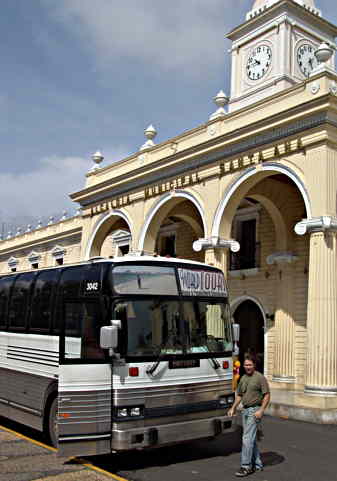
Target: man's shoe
244 472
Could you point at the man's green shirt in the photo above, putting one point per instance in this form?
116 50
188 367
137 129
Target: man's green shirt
252 389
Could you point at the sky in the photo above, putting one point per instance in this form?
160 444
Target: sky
82 75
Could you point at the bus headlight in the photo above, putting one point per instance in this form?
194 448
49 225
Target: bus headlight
226 401
122 413
130 412
135 412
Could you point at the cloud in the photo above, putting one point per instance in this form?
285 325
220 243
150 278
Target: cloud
44 191
173 36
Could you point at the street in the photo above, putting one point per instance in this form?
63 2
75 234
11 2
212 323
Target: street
292 451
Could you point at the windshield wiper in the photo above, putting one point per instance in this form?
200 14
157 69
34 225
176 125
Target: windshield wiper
151 370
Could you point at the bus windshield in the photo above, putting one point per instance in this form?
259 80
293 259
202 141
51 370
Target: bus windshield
155 327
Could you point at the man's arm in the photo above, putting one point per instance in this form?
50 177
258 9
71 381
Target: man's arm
265 402
237 401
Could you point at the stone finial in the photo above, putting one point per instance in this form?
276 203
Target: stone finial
9 235
51 220
29 228
39 225
98 158
220 101
64 215
150 133
18 231
323 53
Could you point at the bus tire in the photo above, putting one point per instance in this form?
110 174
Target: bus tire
51 422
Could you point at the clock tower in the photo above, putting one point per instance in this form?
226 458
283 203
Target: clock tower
275 48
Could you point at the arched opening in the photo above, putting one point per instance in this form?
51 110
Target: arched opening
110 237
272 266
252 326
172 226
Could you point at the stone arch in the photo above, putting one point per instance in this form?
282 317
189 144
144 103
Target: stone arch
101 229
237 302
242 184
160 210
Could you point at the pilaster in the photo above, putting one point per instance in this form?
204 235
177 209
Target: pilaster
321 372
284 360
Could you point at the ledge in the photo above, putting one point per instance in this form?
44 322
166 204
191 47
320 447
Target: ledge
244 272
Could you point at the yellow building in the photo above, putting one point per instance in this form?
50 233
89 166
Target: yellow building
260 173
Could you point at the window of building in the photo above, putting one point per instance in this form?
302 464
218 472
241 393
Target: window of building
245 231
12 264
34 259
167 240
58 254
121 241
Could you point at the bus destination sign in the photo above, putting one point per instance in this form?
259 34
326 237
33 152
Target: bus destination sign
202 283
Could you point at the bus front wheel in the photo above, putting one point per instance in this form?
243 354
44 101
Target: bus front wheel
51 424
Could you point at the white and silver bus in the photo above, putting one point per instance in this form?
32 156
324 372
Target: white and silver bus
120 354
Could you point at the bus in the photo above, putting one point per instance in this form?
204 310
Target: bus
118 354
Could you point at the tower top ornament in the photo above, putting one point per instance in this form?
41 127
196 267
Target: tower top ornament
260 6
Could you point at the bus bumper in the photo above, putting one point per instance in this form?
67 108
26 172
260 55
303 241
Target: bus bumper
159 435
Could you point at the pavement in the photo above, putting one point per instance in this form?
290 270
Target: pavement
291 451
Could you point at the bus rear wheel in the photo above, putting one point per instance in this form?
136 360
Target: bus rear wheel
51 424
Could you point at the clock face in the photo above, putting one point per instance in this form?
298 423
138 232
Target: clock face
258 62
306 58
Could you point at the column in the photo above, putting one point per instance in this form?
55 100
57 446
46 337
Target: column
216 258
284 356
321 368
214 248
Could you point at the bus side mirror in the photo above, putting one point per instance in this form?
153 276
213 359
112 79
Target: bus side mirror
236 332
236 338
109 335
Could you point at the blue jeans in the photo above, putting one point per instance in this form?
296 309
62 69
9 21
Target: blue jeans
250 455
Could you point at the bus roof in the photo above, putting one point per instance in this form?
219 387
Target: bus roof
129 258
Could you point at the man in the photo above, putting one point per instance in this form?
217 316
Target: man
253 392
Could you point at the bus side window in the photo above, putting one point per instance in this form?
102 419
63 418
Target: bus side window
82 331
19 301
43 300
69 287
5 286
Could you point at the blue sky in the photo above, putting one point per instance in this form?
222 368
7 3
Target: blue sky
79 75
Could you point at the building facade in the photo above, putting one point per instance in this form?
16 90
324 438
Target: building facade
260 174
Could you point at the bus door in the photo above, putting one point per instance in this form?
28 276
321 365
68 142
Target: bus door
85 383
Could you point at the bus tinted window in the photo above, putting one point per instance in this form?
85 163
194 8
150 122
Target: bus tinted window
82 331
18 306
70 283
5 285
145 280
43 300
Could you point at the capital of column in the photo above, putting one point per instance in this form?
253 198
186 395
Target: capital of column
215 242
281 258
324 223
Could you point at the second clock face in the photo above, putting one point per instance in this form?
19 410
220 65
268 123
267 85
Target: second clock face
306 58
258 62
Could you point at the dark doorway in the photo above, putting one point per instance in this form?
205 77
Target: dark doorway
251 321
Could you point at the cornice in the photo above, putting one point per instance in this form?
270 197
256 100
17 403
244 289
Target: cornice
274 10
224 147
10 246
